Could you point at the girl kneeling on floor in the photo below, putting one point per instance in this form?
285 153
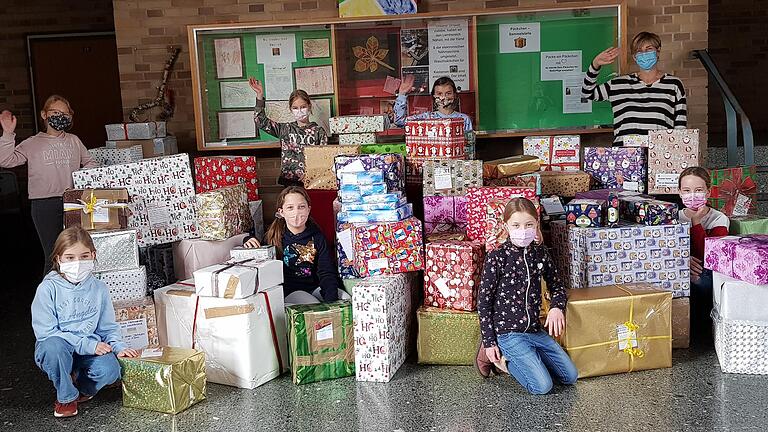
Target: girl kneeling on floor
510 301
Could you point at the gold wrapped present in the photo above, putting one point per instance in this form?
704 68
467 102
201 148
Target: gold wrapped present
511 166
618 328
223 213
166 379
96 209
319 172
447 337
564 183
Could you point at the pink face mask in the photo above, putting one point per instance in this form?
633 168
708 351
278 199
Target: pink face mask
522 237
694 200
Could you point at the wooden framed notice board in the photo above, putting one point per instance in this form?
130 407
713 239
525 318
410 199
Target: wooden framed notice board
519 71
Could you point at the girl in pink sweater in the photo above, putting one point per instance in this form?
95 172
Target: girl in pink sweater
51 157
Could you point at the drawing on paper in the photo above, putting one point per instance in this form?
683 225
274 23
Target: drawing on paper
316 48
237 94
315 80
229 58
237 124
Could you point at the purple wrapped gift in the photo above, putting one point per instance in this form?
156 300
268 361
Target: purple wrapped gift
623 167
743 258
345 250
392 164
445 214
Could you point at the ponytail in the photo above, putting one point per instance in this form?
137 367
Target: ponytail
275 234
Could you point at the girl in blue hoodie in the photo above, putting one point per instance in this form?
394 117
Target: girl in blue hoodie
78 340
309 273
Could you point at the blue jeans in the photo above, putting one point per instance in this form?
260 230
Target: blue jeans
57 358
531 357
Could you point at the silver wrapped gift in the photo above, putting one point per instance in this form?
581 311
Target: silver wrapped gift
116 250
125 285
741 346
133 131
114 156
261 253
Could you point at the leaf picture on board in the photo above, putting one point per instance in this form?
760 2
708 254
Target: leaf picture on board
373 58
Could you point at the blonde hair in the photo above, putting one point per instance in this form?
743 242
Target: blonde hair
643 38
520 205
67 239
274 235
52 99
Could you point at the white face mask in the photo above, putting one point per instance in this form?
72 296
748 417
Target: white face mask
77 271
300 114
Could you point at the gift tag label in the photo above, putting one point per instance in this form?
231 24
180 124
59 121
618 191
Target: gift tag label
442 286
324 333
345 240
152 352
135 333
626 337
100 214
159 215
552 205
378 264
742 205
667 179
443 178
631 186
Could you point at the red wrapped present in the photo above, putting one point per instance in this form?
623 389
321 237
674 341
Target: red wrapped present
389 248
734 191
478 199
436 138
452 274
214 172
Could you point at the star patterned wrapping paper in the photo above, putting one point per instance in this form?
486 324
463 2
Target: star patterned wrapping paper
214 172
357 124
125 285
452 274
669 153
108 156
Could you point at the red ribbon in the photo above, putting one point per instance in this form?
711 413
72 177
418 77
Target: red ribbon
194 321
274 332
562 165
732 187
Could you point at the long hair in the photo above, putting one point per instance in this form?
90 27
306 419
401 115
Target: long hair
520 205
299 94
276 231
68 238
441 82
52 99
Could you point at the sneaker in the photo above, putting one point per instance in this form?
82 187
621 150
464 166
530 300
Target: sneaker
84 398
65 409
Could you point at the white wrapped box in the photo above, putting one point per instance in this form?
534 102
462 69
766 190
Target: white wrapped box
138 323
357 138
116 250
154 147
134 131
261 253
244 340
162 203
741 346
114 156
191 255
238 279
739 300
125 285
356 124
383 319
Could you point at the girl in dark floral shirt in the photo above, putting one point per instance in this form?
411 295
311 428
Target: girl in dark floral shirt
510 301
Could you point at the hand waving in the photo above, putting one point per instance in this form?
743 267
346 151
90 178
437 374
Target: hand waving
257 87
606 57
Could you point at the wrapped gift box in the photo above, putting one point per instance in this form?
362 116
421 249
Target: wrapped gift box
125 285
625 254
357 138
383 149
318 172
383 320
681 322
635 141
436 138
525 180
391 197
345 250
393 166
734 191
585 212
214 172
223 213
391 205
445 214
557 153
115 250
669 153
135 131
566 184
169 383
617 167
257 215
749 224
451 177
158 260
478 199
350 284
154 147
162 197
373 216
354 193
321 341
191 255
452 274
244 340
357 124
238 279
651 212
389 248
618 329
743 258
138 323
447 337
372 177
511 166
107 156
96 209
261 253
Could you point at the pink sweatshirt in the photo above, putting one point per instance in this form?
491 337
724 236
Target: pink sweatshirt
50 159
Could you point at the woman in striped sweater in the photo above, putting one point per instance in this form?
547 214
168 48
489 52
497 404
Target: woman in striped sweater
647 100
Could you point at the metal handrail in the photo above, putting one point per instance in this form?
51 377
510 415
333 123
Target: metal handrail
732 108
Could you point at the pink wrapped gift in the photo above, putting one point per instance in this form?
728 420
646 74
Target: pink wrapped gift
452 274
743 258
445 214
478 199
191 255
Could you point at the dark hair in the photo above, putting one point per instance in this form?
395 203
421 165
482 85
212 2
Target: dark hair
695 171
275 231
68 238
299 94
520 205
446 81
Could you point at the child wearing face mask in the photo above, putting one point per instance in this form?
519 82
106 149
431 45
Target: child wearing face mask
647 100
309 273
509 303
77 338
51 157
294 136
694 184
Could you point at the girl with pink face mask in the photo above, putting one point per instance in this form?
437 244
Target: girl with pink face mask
694 184
294 136
509 304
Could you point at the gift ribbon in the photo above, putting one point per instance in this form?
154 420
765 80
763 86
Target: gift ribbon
453 224
91 206
229 292
732 187
561 165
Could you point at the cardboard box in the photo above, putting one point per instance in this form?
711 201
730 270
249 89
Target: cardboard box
96 209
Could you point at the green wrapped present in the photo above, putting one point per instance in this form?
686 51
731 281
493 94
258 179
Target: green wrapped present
734 191
447 337
167 379
398 148
349 284
321 341
749 224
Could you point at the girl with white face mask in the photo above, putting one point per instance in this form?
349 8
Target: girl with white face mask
78 340
294 136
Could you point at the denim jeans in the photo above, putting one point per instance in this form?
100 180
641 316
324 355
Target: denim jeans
533 357
57 358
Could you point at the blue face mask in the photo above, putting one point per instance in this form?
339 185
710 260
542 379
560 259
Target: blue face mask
646 60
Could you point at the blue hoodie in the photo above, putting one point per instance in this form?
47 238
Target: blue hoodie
81 314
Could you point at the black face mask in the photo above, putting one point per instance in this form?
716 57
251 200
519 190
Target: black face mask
60 122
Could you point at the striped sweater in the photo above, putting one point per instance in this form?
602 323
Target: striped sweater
637 106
